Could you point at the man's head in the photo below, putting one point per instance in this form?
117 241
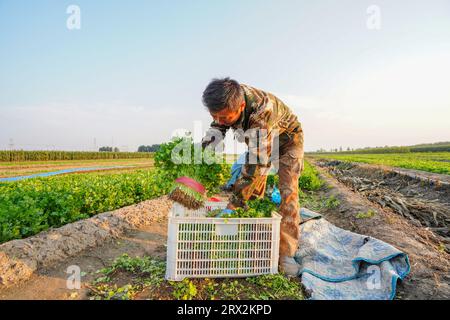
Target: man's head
225 100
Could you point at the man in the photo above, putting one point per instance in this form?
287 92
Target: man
247 109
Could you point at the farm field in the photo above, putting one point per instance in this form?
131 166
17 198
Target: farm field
436 162
132 266
22 168
25 155
34 205
69 202
30 206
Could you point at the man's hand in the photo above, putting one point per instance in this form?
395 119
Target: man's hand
230 206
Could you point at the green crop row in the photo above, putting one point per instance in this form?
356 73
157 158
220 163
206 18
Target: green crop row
309 179
19 155
430 161
438 147
30 206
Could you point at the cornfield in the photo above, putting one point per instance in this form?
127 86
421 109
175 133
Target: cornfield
19 155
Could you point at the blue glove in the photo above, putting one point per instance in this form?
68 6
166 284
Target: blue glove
276 196
225 211
236 170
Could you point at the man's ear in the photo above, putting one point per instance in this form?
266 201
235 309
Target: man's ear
242 106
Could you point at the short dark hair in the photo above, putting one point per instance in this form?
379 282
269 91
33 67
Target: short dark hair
221 94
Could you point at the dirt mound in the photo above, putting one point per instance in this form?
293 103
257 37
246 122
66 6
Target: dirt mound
424 201
430 266
429 185
19 259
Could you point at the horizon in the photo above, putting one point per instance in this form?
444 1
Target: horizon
324 150
133 73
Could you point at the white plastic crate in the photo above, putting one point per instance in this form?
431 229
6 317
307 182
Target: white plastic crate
201 247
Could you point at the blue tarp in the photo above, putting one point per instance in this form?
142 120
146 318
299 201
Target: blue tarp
337 264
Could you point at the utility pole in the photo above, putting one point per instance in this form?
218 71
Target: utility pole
95 144
11 144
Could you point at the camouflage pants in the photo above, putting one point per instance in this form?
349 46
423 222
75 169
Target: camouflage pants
290 166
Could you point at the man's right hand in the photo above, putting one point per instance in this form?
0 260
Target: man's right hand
230 206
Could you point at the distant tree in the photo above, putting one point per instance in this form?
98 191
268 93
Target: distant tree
348 149
105 149
116 149
152 148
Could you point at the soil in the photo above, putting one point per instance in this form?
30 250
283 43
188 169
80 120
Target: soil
51 283
423 198
37 261
430 265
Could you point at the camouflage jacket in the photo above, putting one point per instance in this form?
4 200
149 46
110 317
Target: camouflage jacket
264 111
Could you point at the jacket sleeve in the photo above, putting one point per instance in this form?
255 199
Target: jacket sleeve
216 133
252 180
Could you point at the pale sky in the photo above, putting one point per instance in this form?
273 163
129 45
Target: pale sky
135 70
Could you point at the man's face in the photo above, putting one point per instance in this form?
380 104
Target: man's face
227 117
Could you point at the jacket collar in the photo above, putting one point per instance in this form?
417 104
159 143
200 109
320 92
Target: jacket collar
242 122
